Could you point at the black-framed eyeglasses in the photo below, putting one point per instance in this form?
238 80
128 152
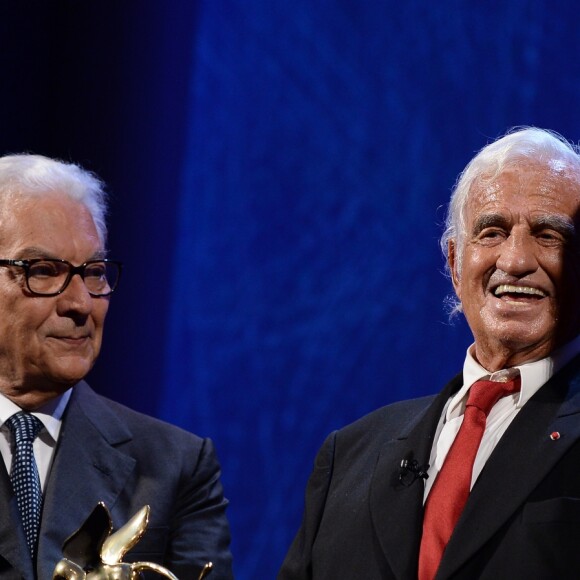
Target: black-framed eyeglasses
50 277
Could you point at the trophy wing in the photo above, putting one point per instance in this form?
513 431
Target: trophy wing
83 546
120 542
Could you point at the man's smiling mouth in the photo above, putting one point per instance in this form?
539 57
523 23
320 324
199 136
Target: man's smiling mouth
518 291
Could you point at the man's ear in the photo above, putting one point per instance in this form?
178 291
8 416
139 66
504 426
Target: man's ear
453 264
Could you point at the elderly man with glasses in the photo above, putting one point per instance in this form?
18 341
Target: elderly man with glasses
65 448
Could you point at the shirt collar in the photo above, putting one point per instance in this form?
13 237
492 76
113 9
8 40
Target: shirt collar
533 375
50 414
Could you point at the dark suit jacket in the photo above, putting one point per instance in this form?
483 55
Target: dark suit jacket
522 518
109 453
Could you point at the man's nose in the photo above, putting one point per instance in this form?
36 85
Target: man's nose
76 296
518 254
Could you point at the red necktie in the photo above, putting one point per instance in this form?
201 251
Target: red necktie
449 493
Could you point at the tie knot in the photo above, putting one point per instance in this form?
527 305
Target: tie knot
485 394
24 426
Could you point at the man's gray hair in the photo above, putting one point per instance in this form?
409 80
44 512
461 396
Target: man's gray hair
30 175
519 144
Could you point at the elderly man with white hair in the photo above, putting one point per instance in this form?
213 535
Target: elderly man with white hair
482 480
64 447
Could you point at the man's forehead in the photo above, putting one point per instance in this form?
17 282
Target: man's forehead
18 205
32 252
46 204
553 180
47 226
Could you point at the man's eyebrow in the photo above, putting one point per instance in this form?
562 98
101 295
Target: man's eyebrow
488 220
559 223
32 252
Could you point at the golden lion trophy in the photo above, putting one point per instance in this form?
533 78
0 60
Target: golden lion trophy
95 552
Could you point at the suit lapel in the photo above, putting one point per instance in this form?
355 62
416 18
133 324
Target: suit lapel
87 468
555 407
396 509
12 540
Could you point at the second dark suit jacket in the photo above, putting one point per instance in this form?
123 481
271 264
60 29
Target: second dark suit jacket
109 453
522 518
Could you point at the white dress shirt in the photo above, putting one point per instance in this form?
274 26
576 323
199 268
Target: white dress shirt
533 376
50 415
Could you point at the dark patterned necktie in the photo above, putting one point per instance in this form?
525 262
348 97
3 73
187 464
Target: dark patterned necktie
24 474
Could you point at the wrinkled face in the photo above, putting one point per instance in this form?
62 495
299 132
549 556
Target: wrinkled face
47 343
520 278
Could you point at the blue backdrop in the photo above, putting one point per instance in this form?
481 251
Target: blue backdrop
279 173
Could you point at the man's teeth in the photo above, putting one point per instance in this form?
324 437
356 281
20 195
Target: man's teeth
508 288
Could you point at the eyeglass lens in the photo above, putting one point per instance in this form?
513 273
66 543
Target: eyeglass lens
48 277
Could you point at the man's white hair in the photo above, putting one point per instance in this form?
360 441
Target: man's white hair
33 175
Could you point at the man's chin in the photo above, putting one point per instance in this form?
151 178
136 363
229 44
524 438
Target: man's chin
526 347
69 375
508 342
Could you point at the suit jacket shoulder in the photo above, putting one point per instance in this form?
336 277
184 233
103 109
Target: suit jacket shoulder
120 424
386 422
